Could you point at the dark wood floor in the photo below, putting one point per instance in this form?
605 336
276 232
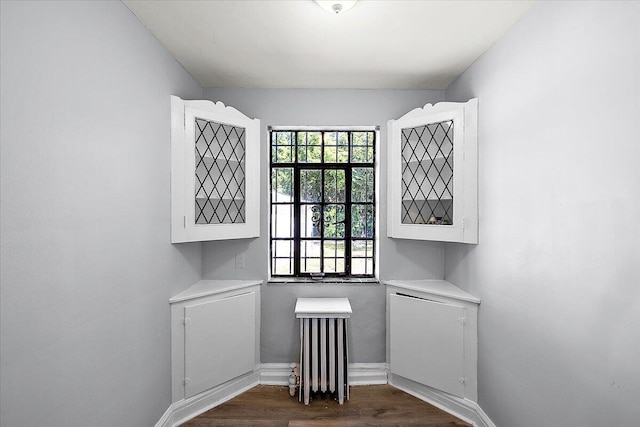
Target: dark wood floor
375 405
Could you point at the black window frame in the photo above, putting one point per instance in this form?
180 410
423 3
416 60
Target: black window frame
297 166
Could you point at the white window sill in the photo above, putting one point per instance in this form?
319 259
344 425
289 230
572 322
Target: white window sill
334 280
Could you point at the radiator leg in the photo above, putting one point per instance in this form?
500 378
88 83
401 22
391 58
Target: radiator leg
314 354
306 361
341 361
332 355
346 359
302 364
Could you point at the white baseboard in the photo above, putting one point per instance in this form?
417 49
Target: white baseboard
274 373
165 420
359 373
368 373
187 409
464 409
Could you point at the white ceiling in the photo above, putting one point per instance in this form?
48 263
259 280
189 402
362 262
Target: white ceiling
378 44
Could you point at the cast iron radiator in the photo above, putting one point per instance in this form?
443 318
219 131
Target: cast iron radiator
324 353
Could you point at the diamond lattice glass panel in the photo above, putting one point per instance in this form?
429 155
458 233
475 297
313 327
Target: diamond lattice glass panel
427 174
220 173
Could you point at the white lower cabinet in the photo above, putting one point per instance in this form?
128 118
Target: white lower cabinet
432 335
215 332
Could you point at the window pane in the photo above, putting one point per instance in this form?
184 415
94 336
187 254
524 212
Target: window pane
334 265
310 256
310 218
282 147
309 147
362 185
362 266
282 266
282 185
282 220
310 185
330 147
362 147
362 154
282 257
363 138
334 185
361 248
334 254
362 221
336 147
362 257
282 248
334 221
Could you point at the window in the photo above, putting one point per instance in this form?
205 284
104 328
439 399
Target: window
322 202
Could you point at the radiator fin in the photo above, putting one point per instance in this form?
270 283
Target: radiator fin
323 358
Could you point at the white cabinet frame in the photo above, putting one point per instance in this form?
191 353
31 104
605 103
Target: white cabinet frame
183 164
465 173
426 358
205 319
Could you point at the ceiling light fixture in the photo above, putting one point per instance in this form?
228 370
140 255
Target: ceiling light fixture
336 7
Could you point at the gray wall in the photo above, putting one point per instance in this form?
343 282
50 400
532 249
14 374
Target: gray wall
398 259
86 264
558 264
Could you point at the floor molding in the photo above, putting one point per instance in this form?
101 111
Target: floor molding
368 373
359 374
464 409
274 373
186 409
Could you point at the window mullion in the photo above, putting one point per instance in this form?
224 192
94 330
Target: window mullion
347 222
296 220
322 204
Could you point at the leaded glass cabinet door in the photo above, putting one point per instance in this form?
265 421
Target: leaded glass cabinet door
432 173
215 187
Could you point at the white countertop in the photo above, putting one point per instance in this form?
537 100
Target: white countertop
435 287
323 307
211 287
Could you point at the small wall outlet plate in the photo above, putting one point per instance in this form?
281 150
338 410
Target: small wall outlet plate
240 261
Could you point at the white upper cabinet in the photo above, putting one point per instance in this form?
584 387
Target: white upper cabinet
433 173
215 167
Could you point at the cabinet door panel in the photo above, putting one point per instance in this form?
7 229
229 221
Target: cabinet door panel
432 173
215 172
219 342
426 342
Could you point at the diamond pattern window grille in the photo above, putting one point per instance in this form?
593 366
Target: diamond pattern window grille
220 173
427 174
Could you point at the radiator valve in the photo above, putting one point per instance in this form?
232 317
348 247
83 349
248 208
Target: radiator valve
293 378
